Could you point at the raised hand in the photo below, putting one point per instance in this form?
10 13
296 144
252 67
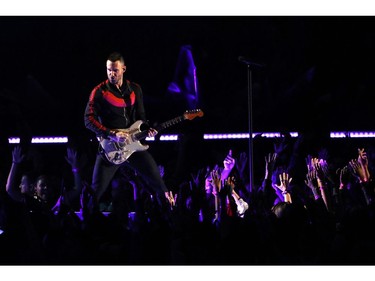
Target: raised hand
17 155
270 160
312 183
216 181
87 198
344 176
362 157
363 160
241 164
310 180
229 162
230 182
72 157
358 170
284 182
284 186
280 144
12 186
171 198
320 167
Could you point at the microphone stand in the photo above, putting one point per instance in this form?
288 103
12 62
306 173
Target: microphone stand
250 117
250 120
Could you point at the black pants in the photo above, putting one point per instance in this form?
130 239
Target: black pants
141 161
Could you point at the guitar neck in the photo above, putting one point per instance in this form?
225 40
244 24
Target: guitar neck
170 123
143 134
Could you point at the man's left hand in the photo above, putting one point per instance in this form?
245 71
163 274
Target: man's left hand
152 133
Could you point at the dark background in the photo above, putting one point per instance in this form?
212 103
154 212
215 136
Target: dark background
318 69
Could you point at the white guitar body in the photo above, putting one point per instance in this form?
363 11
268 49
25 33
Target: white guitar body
119 152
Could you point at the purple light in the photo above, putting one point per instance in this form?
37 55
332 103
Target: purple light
14 140
184 86
362 134
354 134
49 140
195 81
41 140
225 136
244 135
168 137
338 135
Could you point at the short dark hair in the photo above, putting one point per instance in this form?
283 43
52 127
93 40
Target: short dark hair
116 56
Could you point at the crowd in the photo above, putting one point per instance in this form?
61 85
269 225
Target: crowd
305 208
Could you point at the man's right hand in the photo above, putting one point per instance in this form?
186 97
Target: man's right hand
118 136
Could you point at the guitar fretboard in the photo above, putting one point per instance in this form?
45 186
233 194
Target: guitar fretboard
143 134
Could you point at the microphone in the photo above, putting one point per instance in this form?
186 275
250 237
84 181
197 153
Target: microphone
247 61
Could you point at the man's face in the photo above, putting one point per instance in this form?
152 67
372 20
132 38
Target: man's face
115 72
42 189
25 185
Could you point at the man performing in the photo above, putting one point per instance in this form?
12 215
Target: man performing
114 105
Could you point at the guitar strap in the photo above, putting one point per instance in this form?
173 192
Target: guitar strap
131 109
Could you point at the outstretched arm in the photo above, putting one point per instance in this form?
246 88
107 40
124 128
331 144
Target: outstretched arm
73 160
363 177
320 166
363 161
216 181
11 186
242 206
241 163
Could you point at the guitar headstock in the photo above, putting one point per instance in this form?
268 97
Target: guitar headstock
191 114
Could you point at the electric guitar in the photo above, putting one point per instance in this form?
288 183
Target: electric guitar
117 152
